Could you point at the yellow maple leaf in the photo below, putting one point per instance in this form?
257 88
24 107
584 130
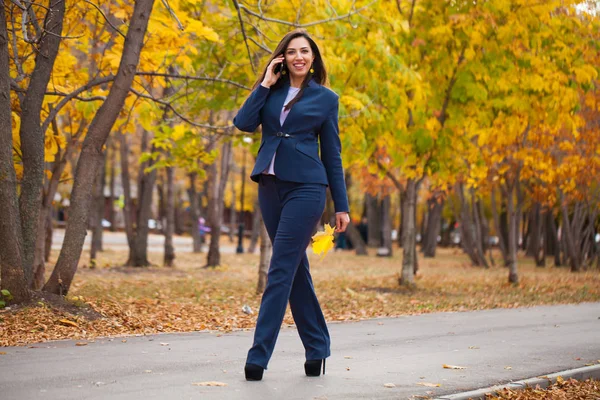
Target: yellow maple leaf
322 241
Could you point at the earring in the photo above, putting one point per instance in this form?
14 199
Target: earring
283 71
312 71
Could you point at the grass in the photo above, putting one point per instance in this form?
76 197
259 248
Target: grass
350 288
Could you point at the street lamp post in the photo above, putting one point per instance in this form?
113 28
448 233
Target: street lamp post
240 246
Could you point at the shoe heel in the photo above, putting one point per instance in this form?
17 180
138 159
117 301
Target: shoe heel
253 372
313 367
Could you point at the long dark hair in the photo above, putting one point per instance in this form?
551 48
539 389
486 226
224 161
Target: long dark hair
320 74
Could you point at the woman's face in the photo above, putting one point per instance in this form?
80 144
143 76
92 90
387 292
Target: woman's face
299 57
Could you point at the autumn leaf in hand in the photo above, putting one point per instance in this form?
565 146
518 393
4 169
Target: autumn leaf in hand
322 242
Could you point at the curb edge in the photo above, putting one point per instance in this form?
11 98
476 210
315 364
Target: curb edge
542 381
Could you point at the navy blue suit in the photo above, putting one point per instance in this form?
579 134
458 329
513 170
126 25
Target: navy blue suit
292 203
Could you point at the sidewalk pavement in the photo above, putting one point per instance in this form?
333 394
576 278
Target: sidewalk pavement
399 358
156 242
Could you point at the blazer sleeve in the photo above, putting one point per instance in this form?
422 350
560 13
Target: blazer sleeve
331 149
248 117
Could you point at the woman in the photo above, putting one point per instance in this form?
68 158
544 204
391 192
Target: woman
296 113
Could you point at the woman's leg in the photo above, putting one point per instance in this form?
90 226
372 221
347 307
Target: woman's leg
301 208
308 316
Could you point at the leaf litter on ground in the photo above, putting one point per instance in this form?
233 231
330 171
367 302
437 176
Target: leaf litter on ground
116 300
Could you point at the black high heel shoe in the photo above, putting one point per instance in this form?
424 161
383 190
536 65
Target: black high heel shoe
313 367
253 372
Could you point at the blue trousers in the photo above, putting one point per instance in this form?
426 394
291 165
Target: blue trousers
290 211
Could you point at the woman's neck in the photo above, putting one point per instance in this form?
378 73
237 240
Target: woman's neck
296 82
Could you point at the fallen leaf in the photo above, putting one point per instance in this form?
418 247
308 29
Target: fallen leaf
81 344
164 344
508 367
474 347
210 383
2 353
347 368
347 357
452 366
124 341
389 385
68 323
428 384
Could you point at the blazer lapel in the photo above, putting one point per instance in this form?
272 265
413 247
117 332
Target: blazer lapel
298 105
277 101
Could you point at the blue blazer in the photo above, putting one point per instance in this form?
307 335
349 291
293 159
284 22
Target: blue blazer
314 116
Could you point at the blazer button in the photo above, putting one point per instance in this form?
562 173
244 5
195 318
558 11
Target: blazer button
279 134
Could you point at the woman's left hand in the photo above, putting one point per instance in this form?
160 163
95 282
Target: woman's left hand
341 221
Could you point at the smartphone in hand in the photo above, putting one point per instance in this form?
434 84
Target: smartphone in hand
279 66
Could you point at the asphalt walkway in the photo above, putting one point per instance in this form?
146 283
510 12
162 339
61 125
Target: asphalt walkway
399 358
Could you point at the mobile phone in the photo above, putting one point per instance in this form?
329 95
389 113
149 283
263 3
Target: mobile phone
278 67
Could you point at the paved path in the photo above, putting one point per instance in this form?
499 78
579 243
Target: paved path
495 346
156 242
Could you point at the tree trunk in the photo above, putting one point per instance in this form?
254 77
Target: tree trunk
194 215
356 239
480 236
568 235
44 234
386 225
497 227
232 212
535 245
552 243
256 224
97 215
169 228
514 217
466 224
91 152
11 261
409 253
216 204
111 182
373 221
266 249
48 246
32 137
402 200
138 254
435 205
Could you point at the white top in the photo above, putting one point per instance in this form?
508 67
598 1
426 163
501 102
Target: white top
270 170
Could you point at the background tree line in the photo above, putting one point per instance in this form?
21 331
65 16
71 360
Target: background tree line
479 114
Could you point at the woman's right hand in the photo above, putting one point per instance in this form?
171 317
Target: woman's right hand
270 76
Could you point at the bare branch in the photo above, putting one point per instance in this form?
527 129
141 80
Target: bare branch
170 10
72 95
64 37
193 78
105 18
19 4
32 17
237 7
295 25
20 71
265 48
226 129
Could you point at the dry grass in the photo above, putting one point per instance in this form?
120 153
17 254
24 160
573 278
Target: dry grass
188 297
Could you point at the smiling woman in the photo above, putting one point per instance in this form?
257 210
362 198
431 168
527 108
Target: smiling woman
297 114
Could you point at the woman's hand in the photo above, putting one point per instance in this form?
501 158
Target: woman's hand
270 76
341 221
